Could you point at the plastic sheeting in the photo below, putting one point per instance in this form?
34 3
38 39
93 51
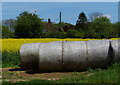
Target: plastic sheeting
69 56
97 53
74 56
50 56
116 51
29 54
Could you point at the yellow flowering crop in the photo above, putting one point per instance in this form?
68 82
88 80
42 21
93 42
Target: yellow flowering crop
13 45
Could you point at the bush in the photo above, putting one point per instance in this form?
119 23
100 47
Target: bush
72 33
10 59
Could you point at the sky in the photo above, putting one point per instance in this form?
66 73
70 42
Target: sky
59 0
70 10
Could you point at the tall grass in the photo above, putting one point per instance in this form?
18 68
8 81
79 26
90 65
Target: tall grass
10 59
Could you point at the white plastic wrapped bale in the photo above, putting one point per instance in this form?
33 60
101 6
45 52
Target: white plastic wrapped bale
119 49
115 47
74 56
50 56
29 54
97 53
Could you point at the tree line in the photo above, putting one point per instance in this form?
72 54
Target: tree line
29 25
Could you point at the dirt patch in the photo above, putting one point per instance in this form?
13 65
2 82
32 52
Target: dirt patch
17 74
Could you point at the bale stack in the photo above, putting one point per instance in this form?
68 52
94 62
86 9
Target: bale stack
50 56
74 56
116 50
69 56
97 53
29 54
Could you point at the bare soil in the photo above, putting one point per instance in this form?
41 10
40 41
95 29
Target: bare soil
17 74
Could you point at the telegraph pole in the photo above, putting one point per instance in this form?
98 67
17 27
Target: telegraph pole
60 24
60 17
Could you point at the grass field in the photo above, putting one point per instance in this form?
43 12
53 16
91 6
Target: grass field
110 75
11 60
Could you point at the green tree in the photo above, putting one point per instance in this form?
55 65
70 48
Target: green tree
81 22
6 33
102 27
89 32
116 29
28 25
72 33
82 18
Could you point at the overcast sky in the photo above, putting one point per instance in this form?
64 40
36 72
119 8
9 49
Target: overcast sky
59 0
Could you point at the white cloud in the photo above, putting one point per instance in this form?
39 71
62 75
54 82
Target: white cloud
108 16
60 0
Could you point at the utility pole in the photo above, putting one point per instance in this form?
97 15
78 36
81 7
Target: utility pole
61 29
60 17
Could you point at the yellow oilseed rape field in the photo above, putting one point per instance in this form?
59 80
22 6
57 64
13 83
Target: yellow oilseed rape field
13 45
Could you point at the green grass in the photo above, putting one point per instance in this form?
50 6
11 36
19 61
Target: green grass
97 76
109 75
10 59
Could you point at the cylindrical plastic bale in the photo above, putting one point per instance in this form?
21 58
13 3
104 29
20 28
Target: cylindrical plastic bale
50 56
29 54
97 53
74 56
116 52
119 49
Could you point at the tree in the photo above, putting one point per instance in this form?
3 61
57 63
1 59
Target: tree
28 25
89 32
72 33
82 20
6 33
116 29
102 27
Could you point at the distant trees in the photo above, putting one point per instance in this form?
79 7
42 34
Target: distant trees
81 22
99 27
72 33
82 19
82 25
28 25
116 29
102 27
6 33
